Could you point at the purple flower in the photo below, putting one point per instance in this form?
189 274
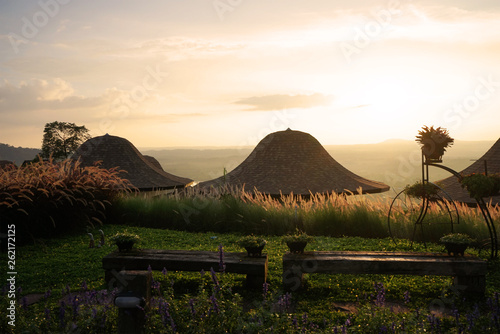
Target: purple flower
156 286
472 317
380 300
48 293
166 316
202 273
164 271
191 306
84 285
284 302
265 290
215 306
407 297
431 318
150 269
62 312
304 322
47 314
214 279
75 304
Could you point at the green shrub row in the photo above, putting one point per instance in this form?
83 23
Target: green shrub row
329 215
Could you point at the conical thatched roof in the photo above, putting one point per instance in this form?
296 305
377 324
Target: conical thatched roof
115 151
455 190
153 161
7 164
294 162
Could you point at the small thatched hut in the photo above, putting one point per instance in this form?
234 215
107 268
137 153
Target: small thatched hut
7 164
114 151
489 162
286 162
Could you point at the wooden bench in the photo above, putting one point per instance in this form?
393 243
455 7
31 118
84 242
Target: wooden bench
255 268
469 272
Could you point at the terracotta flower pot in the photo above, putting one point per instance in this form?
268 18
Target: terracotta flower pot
125 246
455 249
296 247
254 251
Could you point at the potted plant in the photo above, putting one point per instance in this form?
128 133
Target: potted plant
297 242
481 185
253 245
433 142
419 189
456 243
125 240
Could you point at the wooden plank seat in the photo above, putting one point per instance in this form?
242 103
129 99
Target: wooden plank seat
255 268
469 271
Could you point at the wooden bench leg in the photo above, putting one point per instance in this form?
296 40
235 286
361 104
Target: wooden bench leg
471 285
132 320
292 278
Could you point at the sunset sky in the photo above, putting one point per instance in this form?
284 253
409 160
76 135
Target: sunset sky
228 72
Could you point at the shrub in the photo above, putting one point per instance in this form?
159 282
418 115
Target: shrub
481 185
251 241
456 238
419 189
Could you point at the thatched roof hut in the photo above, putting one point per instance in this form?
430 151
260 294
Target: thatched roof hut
286 162
115 151
489 162
7 164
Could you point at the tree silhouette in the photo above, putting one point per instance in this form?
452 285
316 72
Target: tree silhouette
61 139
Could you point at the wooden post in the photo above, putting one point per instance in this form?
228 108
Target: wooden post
472 286
132 320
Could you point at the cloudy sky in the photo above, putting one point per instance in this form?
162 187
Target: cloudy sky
228 72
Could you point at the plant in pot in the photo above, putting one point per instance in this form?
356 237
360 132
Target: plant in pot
481 185
253 245
433 142
419 189
297 242
125 240
456 243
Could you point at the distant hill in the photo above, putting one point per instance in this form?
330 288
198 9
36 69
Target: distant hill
394 162
17 154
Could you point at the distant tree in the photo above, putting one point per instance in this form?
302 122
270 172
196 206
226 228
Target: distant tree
61 139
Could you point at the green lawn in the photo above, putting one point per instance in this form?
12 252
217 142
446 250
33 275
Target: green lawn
55 264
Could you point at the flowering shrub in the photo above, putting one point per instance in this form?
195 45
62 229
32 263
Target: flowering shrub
125 237
298 236
419 189
217 309
251 241
481 185
456 238
45 198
